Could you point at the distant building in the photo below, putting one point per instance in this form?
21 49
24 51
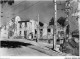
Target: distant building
75 33
26 28
61 31
4 32
50 31
46 31
17 19
22 29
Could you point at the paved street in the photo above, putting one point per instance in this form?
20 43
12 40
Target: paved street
24 47
23 51
15 48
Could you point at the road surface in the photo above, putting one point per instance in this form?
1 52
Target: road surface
18 49
24 47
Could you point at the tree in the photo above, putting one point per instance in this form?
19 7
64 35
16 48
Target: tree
41 24
62 21
10 2
51 21
67 29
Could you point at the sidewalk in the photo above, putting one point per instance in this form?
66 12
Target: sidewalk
42 47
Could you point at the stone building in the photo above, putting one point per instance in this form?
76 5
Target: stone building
26 29
46 32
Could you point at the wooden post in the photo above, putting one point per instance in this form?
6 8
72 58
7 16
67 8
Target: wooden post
55 27
38 30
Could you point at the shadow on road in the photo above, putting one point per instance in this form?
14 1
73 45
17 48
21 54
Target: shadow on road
13 44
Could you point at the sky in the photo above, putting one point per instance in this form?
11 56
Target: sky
45 9
0 15
31 9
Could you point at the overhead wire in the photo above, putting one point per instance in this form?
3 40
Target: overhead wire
28 7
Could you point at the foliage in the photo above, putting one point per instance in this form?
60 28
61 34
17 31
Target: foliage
62 21
41 24
51 21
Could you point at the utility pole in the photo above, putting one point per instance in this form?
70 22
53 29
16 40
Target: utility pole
67 9
38 30
55 26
